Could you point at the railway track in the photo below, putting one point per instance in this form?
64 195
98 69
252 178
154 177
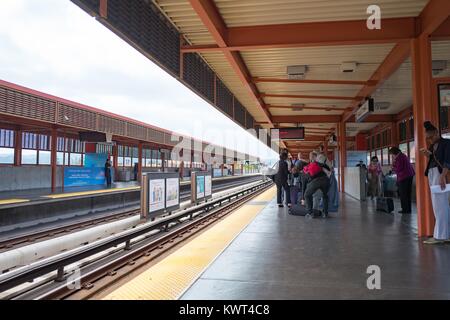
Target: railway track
100 273
64 228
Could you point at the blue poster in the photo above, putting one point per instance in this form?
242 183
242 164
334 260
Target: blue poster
95 160
353 158
200 187
76 177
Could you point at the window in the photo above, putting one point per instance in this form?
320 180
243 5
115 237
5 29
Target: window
34 147
402 131
378 154
412 151
385 160
6 146
403 148
70 152
411 128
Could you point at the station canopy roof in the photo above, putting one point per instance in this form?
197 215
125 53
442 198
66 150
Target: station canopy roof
251 45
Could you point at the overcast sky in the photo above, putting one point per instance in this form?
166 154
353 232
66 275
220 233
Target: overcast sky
55 47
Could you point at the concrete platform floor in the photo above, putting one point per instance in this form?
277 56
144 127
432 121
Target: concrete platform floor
279 256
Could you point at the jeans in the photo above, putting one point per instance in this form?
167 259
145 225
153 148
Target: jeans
321 183
280 188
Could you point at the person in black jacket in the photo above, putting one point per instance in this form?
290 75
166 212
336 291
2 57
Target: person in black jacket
281 180
319 181
108 172
437 169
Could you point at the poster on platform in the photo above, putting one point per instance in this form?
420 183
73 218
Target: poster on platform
172 192
444 95
200 187
79 176
208 185
156 195
95 160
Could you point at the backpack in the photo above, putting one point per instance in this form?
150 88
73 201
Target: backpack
313 169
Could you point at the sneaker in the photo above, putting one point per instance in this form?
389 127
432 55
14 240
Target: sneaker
308 216
324 215
280 205
433 241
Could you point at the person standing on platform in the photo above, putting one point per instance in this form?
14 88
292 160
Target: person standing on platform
108 172
375 174
405 174
437 172
281 180
318 181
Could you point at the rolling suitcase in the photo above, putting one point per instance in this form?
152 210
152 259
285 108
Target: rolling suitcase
299 210
385 204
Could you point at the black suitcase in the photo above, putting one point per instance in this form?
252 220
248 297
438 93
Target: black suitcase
299 210
385 204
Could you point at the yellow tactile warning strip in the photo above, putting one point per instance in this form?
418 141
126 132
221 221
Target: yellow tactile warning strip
87 193
11 201
170 277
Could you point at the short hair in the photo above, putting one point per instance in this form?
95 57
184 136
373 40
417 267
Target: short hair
374 158
429 127
283 156
394 151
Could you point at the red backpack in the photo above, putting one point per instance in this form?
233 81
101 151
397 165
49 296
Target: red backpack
313 169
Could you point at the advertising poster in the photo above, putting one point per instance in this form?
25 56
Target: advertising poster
77 177
208 186
172 192
156 195
95 160
444 95
200 187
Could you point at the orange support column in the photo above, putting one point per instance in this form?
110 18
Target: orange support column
53 157
139 162
342 155
423 110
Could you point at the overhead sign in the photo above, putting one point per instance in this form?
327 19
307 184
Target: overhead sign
290 133
363 111
93 136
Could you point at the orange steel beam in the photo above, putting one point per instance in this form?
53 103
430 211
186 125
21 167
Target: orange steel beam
211 18
301 96
389 65
306 119
103 8
312 34
307 108
311 81
435 13
443 32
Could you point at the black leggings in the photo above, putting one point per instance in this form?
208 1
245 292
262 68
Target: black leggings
404 192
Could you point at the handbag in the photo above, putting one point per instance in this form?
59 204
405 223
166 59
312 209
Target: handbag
447 177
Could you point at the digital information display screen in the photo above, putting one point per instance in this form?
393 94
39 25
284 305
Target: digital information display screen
172 192
156 195
291 133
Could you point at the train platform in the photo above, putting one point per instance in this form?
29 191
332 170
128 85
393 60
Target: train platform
39 194
262 252
9 198
28 209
